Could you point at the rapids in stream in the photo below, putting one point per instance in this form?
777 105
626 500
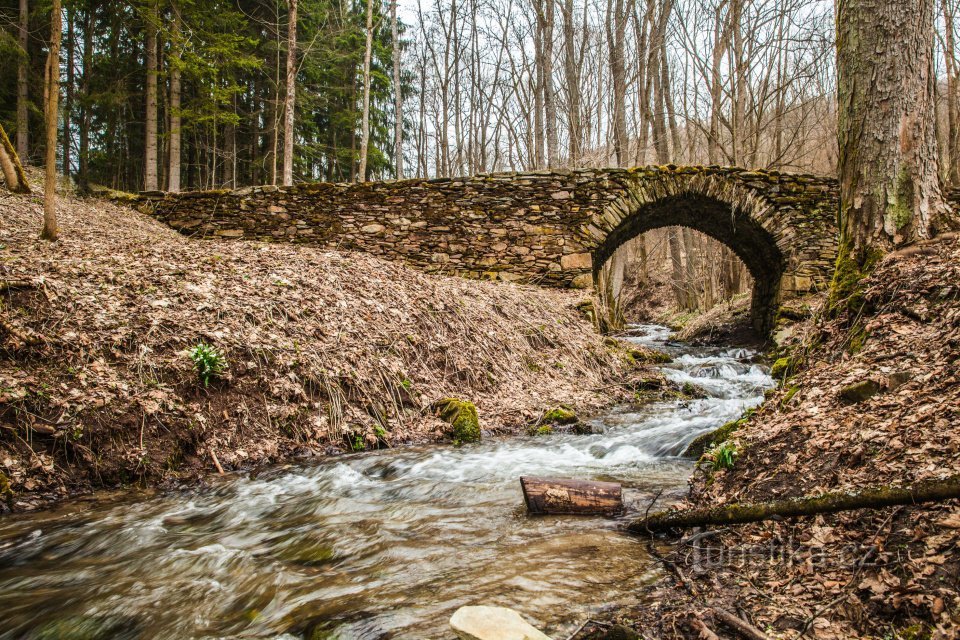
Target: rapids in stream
386 544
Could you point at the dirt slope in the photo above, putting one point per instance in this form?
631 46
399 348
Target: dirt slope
876 402
326 351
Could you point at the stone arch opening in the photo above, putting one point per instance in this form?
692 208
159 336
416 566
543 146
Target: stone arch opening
732 226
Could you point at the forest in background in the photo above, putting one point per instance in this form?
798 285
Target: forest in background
181 94
200 89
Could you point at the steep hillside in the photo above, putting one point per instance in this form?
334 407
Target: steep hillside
870 397
326 351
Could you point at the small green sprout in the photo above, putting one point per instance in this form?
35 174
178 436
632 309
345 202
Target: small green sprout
723 455
209 363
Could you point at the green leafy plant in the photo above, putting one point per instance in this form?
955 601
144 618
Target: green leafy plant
358 444
723 455
208 362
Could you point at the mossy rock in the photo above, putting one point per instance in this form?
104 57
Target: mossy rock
560 415
647 356
859 391
785 367
462 417
701 444
541 430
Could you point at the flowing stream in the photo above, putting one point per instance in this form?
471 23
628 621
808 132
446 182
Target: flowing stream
384 544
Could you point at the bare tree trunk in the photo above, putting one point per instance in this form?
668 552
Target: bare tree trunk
173 166
397 94
83 172
150 182
616 25
572 73
889 184
23 84
290 95
365 123
677 276
953 96
690 269
545 21
68 97
50 229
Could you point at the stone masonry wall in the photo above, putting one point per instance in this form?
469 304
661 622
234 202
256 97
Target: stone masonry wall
539 227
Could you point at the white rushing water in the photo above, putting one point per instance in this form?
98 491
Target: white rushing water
384 544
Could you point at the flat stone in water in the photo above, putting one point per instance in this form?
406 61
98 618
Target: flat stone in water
492 623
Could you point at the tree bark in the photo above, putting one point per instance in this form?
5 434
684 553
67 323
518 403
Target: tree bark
572 74
889 184
23 84
552 496
11 167
173 158
365 123
545 19
68 96
152 24
290 96
83 169
873 498
953 96
50 229
616 25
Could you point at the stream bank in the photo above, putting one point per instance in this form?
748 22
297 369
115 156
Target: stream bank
382 544
869 396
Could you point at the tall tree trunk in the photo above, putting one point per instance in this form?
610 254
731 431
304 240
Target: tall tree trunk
545 19
889 184
616 25
150 182
365 122
23 85
677 279
176 135
52 98
290 95
68 96
690 260
83 173
572 72
953 96
397 94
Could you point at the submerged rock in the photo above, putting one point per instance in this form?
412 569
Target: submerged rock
493 623
463 418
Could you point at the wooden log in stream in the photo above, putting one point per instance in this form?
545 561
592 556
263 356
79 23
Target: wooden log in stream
874 498
556 496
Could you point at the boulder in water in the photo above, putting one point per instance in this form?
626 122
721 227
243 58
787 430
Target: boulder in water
493 623
463 418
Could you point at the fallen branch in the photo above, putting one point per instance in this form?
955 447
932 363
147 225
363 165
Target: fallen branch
703 631
876 498
742 627
25 337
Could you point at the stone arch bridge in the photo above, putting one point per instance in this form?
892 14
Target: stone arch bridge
552 228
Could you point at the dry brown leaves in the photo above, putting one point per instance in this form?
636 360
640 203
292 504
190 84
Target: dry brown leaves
322 346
